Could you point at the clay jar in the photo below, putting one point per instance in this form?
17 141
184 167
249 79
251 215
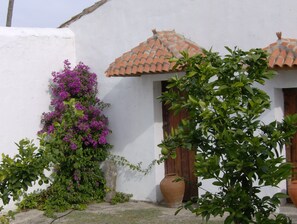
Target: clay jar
293 191
172 188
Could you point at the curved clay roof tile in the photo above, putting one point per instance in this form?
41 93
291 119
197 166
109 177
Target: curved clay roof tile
152 55
282 53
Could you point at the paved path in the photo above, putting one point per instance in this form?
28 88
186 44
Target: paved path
291 211
126 213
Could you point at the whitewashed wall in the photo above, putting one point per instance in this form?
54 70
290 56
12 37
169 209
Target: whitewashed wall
120 25
28 56
285 78
27 59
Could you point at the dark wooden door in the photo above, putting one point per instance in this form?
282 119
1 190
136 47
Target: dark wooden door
290 106
183 165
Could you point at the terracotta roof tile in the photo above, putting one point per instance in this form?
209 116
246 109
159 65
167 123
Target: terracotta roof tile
140 69
283 53
152 56
134 69
153 67
159 67
146 68
128 70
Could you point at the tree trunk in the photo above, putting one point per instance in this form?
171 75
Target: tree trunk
9 13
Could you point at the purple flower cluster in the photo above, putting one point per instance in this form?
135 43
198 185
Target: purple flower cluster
92 127
76 175
73 83
89 129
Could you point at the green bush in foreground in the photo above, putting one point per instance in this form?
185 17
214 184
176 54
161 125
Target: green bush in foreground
234 148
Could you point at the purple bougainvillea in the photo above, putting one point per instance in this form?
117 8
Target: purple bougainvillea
74 136
79 84
73 140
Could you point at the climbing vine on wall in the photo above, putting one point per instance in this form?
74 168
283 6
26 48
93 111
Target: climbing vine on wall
74 137
72 143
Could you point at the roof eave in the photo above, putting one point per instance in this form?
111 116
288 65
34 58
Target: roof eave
145 73
86 11
284 67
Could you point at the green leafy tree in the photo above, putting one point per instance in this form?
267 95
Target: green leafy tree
234 147
19 172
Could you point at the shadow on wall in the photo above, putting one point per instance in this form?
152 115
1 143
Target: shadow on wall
131 114
135 117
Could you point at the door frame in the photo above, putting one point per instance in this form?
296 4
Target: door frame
290 107
183 165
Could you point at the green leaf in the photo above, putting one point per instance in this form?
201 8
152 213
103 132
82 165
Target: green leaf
173 155
280 195
229 219
218 183
202 104
248 88
229 50
171 85
255 57
193 99
191 74
238 84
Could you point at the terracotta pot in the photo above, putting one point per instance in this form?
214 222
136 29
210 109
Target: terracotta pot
172 190
293 191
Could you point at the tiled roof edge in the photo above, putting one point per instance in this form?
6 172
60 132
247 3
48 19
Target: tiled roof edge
156 35
282 53
182 37
83 13
168 43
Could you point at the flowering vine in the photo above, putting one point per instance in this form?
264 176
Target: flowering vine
78 85
72 141
74 137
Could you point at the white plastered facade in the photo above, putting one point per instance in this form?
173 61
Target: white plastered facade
28 56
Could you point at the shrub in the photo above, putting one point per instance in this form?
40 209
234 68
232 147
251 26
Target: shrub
74 138
120 197
72 142
234 148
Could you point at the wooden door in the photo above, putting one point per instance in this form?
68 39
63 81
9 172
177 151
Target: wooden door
183 165
290 106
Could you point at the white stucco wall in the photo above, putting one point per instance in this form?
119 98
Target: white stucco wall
28 56
284 78
120 25
27 59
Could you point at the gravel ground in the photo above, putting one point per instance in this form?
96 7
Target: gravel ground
104 213
126 213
